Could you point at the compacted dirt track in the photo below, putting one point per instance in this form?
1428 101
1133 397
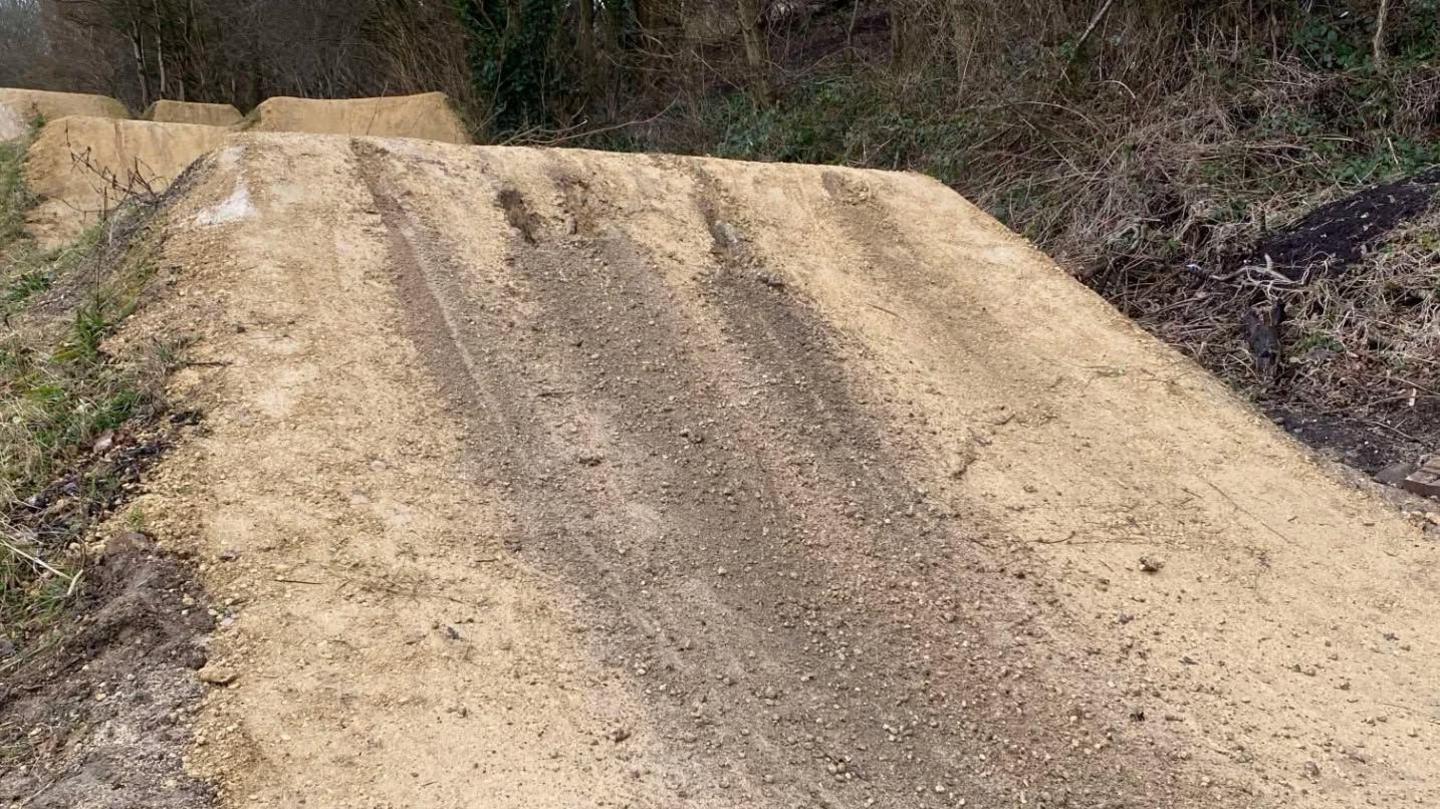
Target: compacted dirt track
551 479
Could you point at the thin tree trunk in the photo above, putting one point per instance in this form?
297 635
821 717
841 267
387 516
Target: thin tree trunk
964 48
585 46
615 61
195 50
138 46
906 34
1379 43
898 50
757 55
159 50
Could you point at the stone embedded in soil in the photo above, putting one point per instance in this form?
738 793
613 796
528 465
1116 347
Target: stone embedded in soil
216 675
128 542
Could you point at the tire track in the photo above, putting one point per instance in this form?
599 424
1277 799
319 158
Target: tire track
695 461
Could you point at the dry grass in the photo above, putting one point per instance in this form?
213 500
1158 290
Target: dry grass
1368 338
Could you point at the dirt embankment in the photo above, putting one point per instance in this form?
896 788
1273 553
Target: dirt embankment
101 721
81 167
568 478
18 108
190 112
429 116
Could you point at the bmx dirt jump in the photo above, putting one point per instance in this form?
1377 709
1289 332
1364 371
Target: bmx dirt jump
574 478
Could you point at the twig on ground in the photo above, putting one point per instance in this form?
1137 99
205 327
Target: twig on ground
1090 29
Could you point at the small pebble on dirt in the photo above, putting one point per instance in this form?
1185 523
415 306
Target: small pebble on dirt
1151 564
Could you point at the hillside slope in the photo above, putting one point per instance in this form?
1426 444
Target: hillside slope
559 478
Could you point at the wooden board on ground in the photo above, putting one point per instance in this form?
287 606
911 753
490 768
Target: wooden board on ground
1425 480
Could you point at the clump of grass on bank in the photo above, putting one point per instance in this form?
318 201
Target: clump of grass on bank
15 198
62 400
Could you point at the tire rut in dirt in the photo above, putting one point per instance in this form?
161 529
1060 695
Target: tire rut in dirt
697 460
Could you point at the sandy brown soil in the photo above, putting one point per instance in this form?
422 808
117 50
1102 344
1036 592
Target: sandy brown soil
85 163
550 479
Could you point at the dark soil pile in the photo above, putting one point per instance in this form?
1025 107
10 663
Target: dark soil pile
1336 235
1332 323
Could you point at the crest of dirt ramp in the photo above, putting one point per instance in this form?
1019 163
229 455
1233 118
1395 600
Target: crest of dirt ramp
81 167
190 112
19 107
429 116
546 478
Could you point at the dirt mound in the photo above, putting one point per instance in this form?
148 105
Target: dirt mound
81 167
190 112
19 107
429 116
579 478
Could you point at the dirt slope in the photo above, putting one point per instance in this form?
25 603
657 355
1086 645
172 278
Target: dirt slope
191 112
427 115
80 167
551 479
19 107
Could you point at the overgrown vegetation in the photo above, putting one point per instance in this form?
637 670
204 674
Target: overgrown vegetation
66 407
14 197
